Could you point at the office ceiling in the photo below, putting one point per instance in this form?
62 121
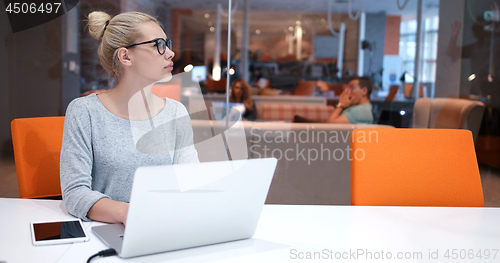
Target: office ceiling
389 6
274 16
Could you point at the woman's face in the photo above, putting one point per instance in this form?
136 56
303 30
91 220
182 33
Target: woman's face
146 60
238 90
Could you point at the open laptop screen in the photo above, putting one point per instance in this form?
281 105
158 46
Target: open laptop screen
235 110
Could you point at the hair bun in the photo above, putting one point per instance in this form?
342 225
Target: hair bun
97 23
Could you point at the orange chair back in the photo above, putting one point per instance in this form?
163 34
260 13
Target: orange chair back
37 146
408 88
171 91
213 85
305 88
338 88
414 167
393 90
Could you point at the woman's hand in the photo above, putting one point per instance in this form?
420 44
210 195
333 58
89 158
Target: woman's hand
124 212
109 211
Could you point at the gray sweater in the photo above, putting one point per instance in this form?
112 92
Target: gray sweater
100 151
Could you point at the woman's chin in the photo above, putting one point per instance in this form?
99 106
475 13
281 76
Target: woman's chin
166 78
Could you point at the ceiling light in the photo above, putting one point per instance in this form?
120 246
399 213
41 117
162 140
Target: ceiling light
298 22
188 68
207 15
231 71
212 29
257 32
290 28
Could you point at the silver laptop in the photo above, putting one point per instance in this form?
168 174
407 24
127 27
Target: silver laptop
188 205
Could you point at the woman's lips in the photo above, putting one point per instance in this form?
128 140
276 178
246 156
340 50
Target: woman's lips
170 67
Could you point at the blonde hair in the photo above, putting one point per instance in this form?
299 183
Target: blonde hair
114 33
246 97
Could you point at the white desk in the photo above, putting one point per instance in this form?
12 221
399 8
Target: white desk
283 232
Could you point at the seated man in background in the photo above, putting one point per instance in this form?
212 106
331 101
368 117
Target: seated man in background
354 104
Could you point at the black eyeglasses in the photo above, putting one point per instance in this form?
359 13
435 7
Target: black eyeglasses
160 43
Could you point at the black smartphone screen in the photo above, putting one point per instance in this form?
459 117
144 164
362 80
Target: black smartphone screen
58 230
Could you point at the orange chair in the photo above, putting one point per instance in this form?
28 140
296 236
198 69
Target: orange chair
338 88
305 88
37 146
408 88
414 167
393 90
214 86
170 89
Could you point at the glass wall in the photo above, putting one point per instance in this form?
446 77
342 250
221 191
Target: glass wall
298 61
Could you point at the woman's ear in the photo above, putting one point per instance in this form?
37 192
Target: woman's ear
124 56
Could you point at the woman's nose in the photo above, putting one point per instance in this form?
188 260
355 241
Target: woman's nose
169 54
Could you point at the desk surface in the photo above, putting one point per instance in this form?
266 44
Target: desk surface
287 233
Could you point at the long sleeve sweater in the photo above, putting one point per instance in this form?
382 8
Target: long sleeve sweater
100 151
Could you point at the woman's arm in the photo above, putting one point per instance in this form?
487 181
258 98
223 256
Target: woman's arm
76 163
109 211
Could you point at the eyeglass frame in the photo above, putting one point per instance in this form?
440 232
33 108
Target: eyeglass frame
168 43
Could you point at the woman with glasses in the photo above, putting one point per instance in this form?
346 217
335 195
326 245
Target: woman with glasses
107 136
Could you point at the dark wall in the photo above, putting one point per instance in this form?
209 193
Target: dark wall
30 71
5 35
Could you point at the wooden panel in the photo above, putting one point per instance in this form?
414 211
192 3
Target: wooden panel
392 35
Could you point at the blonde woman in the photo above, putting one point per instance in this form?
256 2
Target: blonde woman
100 153
240 93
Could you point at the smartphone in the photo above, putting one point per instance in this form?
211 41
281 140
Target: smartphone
58 232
